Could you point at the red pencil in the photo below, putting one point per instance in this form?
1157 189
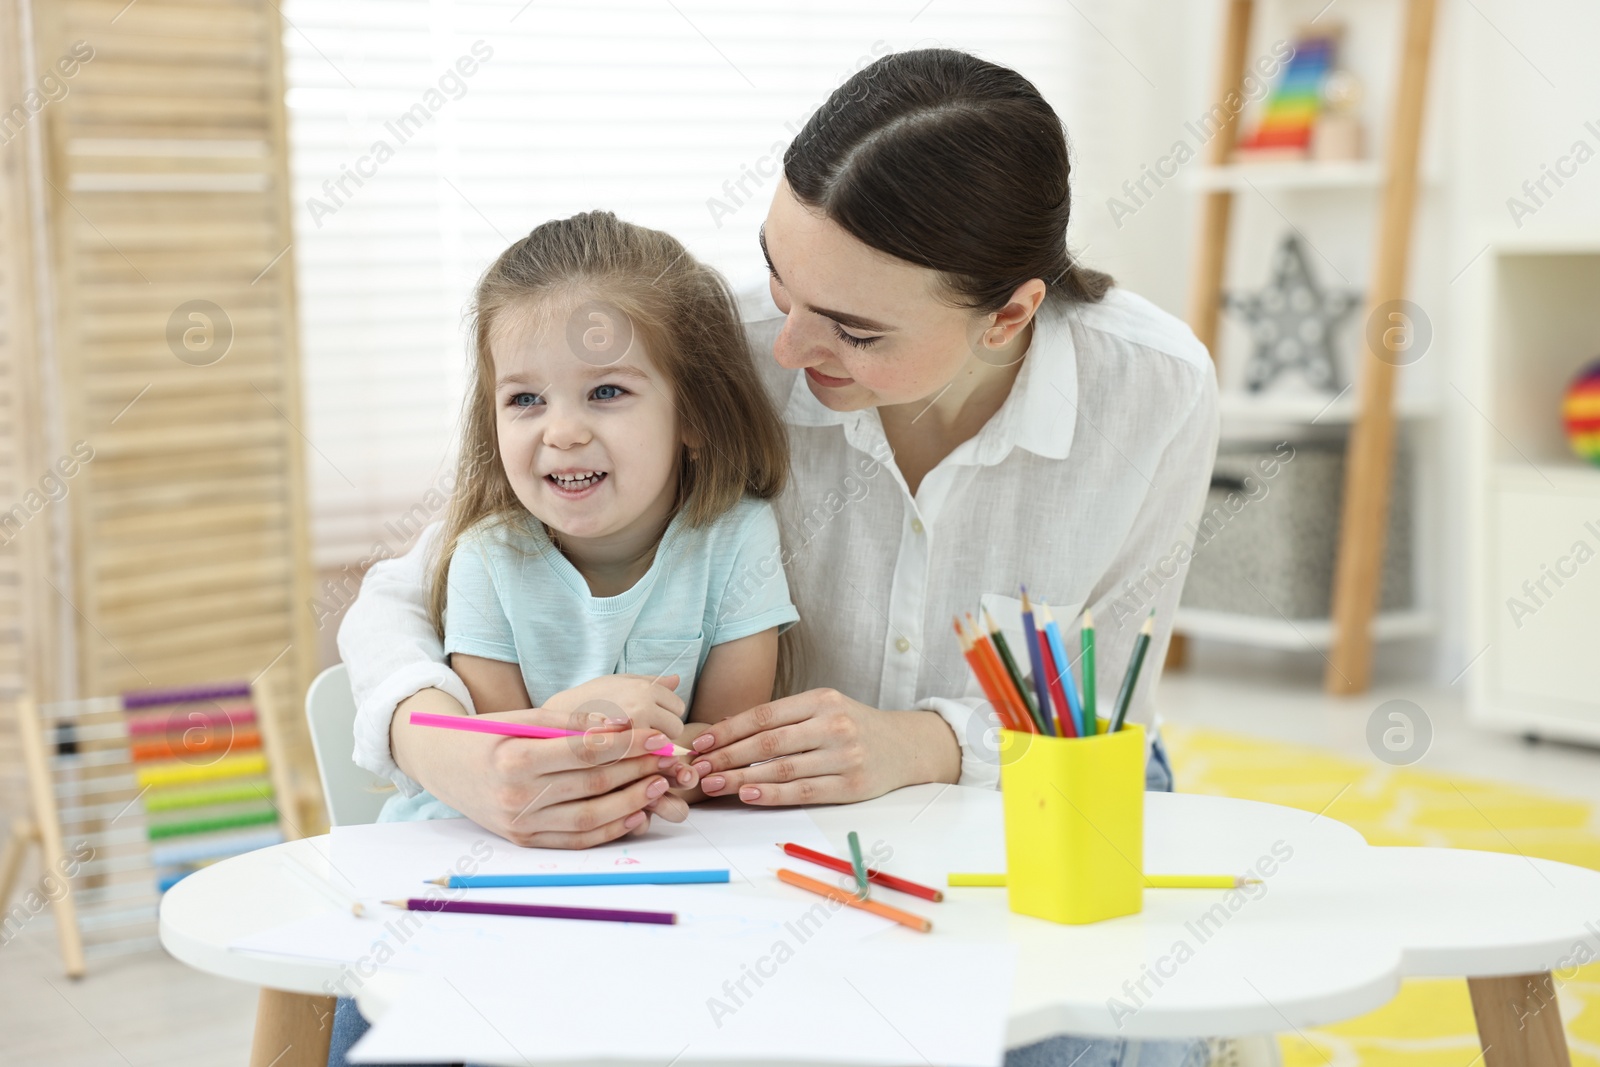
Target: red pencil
1065 725
888 881
980 670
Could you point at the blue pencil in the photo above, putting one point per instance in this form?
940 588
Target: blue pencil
508 881
1041 685
1058 650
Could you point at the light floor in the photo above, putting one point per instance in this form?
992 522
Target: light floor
150 1009
1246 693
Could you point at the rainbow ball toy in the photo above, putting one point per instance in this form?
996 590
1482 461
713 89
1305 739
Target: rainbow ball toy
1581 413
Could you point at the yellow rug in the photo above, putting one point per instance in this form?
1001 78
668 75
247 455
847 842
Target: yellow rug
1430 1023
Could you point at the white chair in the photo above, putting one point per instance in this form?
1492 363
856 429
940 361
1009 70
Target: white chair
354 794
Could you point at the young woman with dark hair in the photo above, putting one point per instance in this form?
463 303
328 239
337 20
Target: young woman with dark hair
968 408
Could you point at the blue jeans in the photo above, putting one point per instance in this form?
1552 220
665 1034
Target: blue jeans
1063 1051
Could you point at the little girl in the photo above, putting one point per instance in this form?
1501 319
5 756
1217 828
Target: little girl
609 533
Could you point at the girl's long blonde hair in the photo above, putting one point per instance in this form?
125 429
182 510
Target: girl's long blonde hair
685 316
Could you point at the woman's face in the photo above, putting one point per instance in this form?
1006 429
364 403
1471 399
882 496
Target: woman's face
869 330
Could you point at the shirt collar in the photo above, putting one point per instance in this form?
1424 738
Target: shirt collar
1039 415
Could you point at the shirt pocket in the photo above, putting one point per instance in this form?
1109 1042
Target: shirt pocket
657 656
1007 611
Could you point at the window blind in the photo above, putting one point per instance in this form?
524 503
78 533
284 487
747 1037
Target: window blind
426 136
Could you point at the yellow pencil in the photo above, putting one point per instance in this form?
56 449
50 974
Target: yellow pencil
1151 881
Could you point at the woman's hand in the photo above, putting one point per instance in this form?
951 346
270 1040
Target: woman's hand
571 792
821 747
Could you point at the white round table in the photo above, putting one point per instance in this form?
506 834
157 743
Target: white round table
1328 934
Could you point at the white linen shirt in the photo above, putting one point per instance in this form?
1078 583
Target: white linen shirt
1083 486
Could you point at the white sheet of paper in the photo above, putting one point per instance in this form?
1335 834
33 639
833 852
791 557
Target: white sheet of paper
909 998
709 916
396 859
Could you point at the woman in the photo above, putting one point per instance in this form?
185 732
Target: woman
969 409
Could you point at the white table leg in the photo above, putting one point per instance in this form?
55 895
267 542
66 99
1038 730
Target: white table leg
292 1030
1519 1021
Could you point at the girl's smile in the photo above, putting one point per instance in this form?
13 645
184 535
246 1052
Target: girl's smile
575 484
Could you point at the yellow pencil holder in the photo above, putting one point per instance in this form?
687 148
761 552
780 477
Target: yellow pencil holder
1074 810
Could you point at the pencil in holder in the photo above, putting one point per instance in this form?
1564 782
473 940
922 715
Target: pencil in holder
1074 811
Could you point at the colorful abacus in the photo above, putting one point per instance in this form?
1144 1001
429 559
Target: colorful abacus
130 794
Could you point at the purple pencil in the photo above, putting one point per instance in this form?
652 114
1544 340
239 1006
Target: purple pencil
537 911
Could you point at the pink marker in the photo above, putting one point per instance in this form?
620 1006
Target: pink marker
473 724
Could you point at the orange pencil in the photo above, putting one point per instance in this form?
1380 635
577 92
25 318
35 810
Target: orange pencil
904 918
980 671
1019 709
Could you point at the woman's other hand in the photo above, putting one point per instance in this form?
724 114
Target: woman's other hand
822 747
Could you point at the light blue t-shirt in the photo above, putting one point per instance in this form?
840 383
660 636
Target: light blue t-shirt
515 598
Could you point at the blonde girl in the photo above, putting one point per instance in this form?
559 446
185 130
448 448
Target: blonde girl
604 550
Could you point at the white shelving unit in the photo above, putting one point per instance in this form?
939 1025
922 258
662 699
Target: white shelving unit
1242 412
1293 635
1536 595
1299 417
1241 177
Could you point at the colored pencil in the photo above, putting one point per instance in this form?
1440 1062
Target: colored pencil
990 659
1003 647
858 866
509 881
823 889
1030 634
1021 708
477 725
1151 881
536 911
1066 726
876 877
1090 712
1141 645
322 885
980 671
1058 651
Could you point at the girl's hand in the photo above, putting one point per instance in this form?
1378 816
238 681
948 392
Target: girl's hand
822 747
573 792
626 700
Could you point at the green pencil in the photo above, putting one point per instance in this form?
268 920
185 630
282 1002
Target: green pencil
859 866
1141 644
1087 637
1004 649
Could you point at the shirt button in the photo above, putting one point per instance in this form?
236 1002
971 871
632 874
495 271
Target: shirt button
916 525
902 645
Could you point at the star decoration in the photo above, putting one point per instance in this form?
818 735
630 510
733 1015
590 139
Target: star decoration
1292 322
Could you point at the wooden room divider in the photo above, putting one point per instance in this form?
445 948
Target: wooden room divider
167 351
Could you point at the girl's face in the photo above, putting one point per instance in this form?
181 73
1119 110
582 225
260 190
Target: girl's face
869 330
589 438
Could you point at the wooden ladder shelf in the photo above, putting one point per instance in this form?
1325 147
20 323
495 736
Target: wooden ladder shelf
1370 456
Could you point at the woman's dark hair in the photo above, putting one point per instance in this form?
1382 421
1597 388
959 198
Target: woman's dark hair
944 160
